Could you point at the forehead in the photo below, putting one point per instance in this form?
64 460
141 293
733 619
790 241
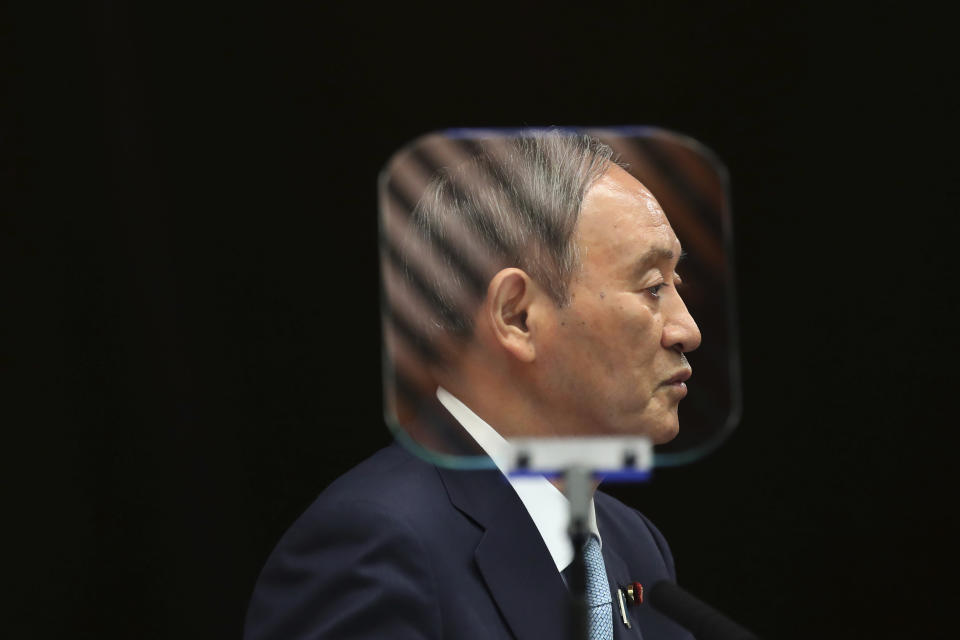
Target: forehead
621 220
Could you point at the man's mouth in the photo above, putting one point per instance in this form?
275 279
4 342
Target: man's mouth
677 381
679 377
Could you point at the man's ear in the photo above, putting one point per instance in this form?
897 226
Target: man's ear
510 295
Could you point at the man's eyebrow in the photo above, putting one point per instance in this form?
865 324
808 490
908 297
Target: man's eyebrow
653 256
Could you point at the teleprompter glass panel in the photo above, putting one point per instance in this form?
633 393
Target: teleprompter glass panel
461 208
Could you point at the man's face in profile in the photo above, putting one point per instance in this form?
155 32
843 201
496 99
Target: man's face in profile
614 358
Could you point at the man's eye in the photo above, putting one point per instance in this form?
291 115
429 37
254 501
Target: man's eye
655 289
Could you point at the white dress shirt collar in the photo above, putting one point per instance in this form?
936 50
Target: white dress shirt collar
547 506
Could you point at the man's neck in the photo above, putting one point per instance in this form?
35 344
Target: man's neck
500 404
462 402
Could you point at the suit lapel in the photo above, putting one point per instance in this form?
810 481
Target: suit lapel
619 576
511 556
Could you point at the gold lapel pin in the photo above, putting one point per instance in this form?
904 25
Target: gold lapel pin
632 593
623 609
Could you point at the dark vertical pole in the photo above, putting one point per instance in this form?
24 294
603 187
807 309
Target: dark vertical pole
578 491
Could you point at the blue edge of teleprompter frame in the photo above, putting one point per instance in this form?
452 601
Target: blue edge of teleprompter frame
620 475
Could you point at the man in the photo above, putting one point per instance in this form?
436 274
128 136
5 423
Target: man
580 331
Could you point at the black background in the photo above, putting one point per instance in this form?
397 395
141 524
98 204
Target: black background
191 288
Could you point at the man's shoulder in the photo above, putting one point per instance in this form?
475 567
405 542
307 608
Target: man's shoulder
387 471
631 530
620 515
391 481
363 545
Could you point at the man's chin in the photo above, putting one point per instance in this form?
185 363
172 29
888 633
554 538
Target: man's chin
660 432
665 431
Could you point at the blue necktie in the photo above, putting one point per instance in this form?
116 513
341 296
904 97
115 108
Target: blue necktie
599 601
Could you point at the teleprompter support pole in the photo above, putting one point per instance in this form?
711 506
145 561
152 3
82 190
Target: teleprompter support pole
578 487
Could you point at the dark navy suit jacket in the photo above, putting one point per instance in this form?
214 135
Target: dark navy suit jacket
400 549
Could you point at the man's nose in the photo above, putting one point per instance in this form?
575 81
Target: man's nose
680 330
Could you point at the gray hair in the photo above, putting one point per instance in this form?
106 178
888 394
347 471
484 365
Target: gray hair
518 200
